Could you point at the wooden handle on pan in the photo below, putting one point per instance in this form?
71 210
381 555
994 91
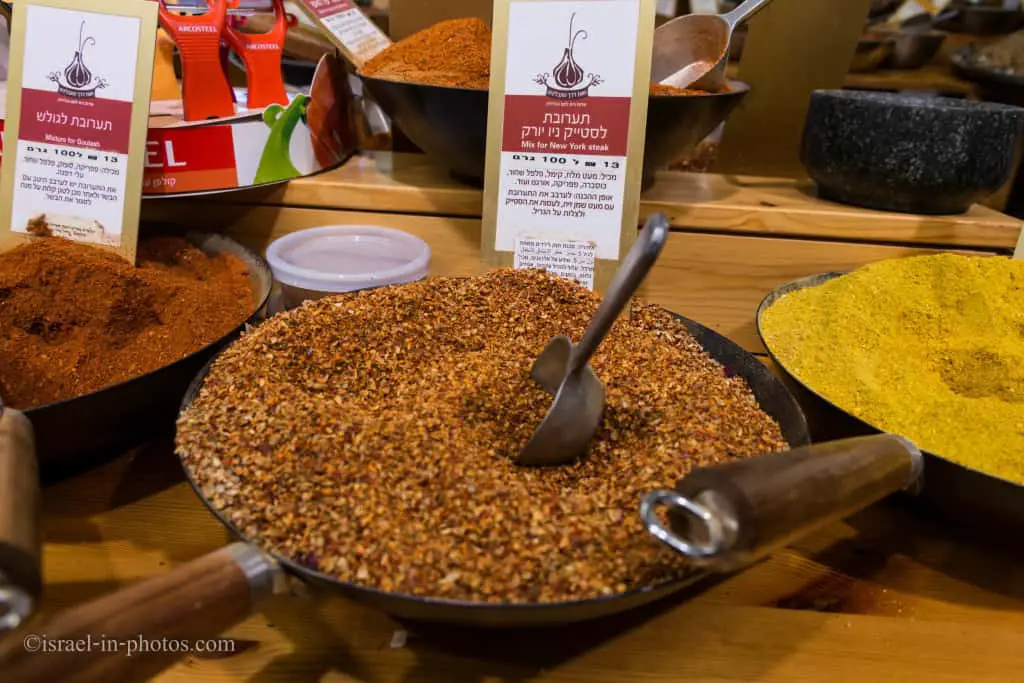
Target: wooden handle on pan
20 543
135 633
731 515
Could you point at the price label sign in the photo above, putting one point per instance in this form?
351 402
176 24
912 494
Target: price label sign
567 115
77 116
351 31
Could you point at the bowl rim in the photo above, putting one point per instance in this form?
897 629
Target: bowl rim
735 87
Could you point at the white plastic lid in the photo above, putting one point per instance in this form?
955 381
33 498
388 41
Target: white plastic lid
347 258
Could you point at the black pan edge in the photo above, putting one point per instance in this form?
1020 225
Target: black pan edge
118 415
966 67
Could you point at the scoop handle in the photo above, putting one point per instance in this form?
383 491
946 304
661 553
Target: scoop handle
20 543
744 11
631 273
133 634
728 516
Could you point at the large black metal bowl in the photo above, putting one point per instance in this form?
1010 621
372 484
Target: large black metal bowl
959 493
78 433
771 394
450 124
995 85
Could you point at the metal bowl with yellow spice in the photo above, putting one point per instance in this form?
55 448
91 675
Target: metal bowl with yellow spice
928 347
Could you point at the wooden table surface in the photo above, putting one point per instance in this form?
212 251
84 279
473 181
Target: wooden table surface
934 77
892 594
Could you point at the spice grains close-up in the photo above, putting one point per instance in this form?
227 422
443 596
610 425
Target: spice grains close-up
371 437
75 318
928 347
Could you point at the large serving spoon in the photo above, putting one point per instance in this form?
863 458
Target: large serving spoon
562 368
692 51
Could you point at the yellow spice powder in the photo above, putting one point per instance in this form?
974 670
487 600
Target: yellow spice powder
929 347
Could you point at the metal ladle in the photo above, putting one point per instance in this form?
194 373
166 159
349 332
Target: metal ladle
562 368
692 51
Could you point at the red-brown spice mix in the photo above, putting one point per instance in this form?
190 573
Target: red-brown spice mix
371 436
455 53
76 318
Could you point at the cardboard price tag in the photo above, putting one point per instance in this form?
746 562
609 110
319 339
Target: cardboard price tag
77 115
566 123
351 31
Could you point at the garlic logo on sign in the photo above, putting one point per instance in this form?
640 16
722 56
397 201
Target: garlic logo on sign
76 80
568 81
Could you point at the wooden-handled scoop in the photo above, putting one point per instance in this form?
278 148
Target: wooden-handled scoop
135 633
20 543
728 516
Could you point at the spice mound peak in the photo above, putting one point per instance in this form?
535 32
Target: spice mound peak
75 318
454 53
372 436
929 347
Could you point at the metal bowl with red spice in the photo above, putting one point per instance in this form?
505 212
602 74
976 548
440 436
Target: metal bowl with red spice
434 83
454 54
98 352
371 437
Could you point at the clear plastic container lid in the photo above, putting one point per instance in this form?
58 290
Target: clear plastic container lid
347 258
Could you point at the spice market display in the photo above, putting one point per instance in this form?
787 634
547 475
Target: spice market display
356 429
75 319
929 347
395 415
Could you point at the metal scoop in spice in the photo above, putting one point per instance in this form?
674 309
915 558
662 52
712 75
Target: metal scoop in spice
562 367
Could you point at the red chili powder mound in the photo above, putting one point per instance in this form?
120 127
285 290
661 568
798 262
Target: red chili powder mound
659 89
75 318
455 54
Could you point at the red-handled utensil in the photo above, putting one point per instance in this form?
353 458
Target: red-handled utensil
261 54
205 90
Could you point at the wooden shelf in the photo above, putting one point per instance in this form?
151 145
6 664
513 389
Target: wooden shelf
733 240
931 77
408 183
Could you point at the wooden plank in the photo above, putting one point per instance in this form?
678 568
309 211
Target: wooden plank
934 78
715 279
931 77
793 48
787 207
888 595
408 183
